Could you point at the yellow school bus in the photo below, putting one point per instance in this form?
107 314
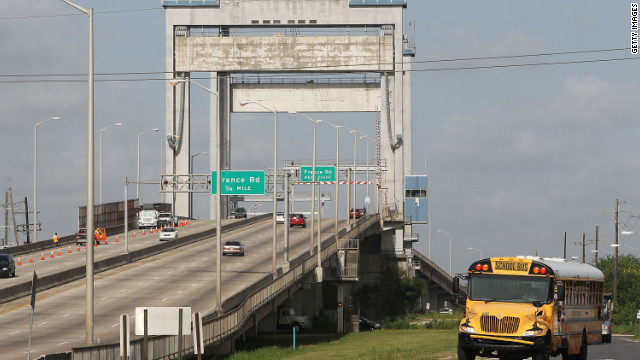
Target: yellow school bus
520 307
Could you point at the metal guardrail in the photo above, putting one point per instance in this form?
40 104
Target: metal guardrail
217 329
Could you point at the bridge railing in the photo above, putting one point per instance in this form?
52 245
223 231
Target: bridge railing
217 328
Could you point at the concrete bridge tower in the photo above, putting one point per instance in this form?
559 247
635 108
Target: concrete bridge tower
226 39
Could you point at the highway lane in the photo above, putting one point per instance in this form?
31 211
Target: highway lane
76 258
182 277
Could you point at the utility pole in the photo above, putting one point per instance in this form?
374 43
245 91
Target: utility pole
615 270
597 240
583 243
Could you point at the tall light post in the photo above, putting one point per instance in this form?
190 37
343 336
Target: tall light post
100 175
448 233
478 250
218 206
90 182
35 176
366 137
337 127
191 183
138 177
313 192
275 178
354 206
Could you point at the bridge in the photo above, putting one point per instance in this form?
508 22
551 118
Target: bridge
251 293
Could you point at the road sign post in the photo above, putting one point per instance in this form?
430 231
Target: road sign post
235 182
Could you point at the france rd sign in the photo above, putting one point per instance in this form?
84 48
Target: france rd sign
234 182
323 173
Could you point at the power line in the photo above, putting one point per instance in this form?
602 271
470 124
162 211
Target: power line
476 67
26 17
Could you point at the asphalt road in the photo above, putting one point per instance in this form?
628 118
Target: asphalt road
182 277
621 348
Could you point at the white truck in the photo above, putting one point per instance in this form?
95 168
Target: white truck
147 219
287 319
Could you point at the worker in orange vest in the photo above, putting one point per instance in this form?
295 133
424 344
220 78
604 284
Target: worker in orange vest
55 239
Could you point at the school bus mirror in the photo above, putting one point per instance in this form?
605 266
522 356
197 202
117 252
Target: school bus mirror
560 292
456 285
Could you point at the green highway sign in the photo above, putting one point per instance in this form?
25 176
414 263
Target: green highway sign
323 173
241 182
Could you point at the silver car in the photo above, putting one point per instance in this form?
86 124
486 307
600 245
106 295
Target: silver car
280 218
232 247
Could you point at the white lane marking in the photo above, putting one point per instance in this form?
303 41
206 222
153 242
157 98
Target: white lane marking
114 325
44 323
66 315
123 290
15 332
140 283
156 278
62 343
165 299
104 298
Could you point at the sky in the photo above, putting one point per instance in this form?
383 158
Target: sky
518 149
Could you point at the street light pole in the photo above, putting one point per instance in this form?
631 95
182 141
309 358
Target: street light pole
90 182
138 177
448 233
275 179
191 183
218 206
35 177
313 191
354 205
100 175
337 127
365 136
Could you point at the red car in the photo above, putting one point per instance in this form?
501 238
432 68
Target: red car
297 220
358 213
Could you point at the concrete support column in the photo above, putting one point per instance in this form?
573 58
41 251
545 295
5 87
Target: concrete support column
177 163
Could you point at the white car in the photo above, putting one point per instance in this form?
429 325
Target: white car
168 233
233 248
280 218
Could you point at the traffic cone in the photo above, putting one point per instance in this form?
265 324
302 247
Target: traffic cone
106 242
156 229
30 259
78 249
42 257
52 254
134 234
116 238
160 227
143 232
19 262
70 252
189 222
59 253
95 244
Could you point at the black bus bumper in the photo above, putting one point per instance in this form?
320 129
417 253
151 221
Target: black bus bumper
486 345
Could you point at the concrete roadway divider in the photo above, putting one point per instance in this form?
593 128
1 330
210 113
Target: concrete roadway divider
66 276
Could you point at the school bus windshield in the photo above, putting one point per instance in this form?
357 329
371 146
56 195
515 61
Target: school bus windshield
485 287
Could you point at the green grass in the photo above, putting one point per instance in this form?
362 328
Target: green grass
378 344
